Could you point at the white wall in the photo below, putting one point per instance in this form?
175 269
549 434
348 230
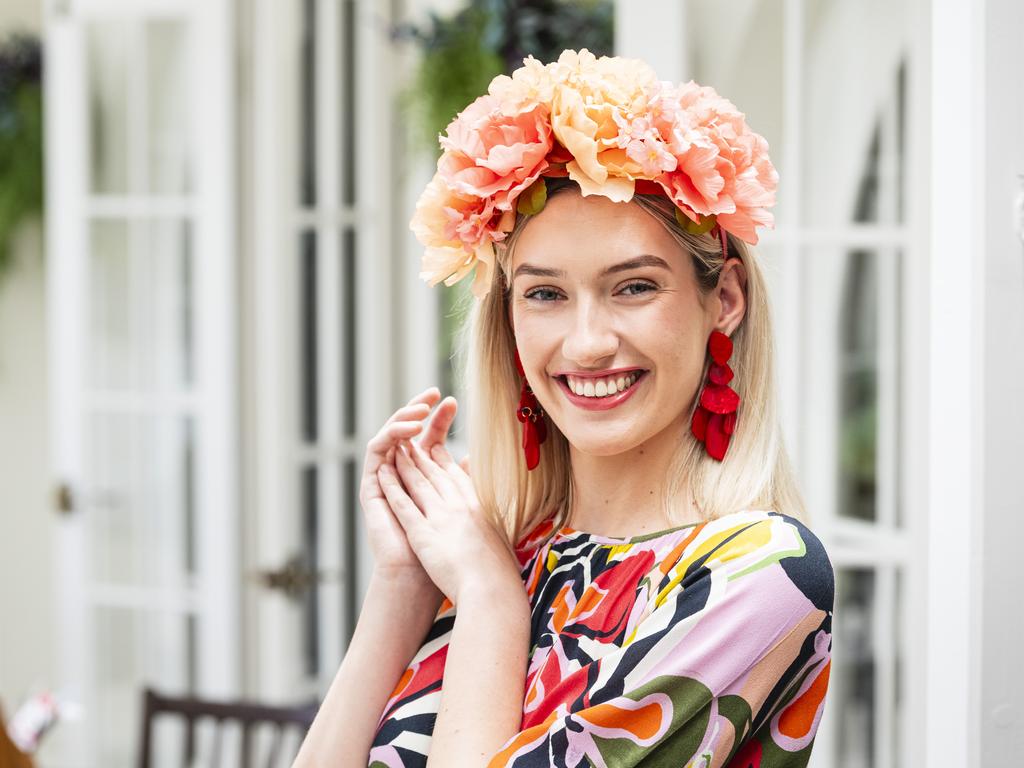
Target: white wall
26 512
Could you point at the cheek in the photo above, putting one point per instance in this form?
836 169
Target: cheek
535 339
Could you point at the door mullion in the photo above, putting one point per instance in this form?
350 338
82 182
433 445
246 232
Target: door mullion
329 338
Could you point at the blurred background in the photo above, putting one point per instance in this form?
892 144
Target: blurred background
209 301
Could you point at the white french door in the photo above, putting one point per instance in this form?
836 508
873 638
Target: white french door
327 354
142 300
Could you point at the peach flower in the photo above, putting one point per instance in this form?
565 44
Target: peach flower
723 167
491 154
458 233
590 98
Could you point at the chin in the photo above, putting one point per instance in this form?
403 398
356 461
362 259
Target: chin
594 443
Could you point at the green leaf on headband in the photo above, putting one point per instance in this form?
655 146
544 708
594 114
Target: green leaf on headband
532 199
705 223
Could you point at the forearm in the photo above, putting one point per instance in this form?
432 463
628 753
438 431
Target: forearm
484 678
395 617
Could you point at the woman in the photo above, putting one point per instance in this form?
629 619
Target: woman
623 435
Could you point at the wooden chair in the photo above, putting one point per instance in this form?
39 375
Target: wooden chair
247 715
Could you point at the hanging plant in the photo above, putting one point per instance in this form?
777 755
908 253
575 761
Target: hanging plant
462 52
21 137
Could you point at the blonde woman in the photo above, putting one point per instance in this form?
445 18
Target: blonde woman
622 573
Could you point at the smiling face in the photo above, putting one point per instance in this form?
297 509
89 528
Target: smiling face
602 294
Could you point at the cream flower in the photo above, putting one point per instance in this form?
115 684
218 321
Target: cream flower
591 98
528 86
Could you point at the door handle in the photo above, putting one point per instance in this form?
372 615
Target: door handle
294 578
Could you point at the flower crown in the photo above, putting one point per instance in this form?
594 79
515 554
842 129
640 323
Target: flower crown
609 125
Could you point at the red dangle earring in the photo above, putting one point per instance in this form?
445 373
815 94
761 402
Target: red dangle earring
535 430
714 420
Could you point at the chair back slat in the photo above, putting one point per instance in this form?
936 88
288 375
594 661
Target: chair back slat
245 757
215 749
275 746
249 716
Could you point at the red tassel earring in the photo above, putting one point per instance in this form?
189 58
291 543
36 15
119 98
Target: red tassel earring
535 430
714 420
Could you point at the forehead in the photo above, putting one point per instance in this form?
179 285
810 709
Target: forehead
587 236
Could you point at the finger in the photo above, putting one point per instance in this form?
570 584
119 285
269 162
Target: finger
391 434
435 474
439 454
430 395
406 512
377 451
440 423
420 490
410 413
465 464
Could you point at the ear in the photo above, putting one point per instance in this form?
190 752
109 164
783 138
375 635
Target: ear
732 295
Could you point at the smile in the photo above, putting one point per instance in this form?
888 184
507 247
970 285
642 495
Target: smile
600 394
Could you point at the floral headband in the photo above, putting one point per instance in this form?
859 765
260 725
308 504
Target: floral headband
609 125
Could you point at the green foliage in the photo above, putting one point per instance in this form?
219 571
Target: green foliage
463 52
21 138
456 67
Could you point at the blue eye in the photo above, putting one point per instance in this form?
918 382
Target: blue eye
536 291
646 286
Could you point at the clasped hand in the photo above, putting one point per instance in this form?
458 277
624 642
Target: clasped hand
432 498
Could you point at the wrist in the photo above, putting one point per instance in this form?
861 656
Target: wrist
404 579
503 595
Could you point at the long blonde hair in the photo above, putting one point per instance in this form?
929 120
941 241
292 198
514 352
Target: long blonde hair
756 472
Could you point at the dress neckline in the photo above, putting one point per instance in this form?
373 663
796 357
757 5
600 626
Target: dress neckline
566 533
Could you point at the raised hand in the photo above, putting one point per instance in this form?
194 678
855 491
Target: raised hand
434 500
393 557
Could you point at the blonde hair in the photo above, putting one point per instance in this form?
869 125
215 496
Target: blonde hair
756 472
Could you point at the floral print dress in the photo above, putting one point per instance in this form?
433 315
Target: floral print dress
704 645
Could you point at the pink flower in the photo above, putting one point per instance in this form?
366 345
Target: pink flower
723 166
491 154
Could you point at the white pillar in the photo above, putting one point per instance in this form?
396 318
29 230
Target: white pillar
1002 347
958 241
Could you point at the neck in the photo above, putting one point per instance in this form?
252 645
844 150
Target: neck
621 495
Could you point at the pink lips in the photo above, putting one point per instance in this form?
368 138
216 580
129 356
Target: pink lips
599 403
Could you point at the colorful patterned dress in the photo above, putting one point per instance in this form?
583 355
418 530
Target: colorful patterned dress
707 644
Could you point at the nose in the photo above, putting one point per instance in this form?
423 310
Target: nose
591 340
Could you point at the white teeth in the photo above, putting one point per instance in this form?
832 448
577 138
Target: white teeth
601 387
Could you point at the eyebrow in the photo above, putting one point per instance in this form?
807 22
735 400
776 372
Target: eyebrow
644 260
